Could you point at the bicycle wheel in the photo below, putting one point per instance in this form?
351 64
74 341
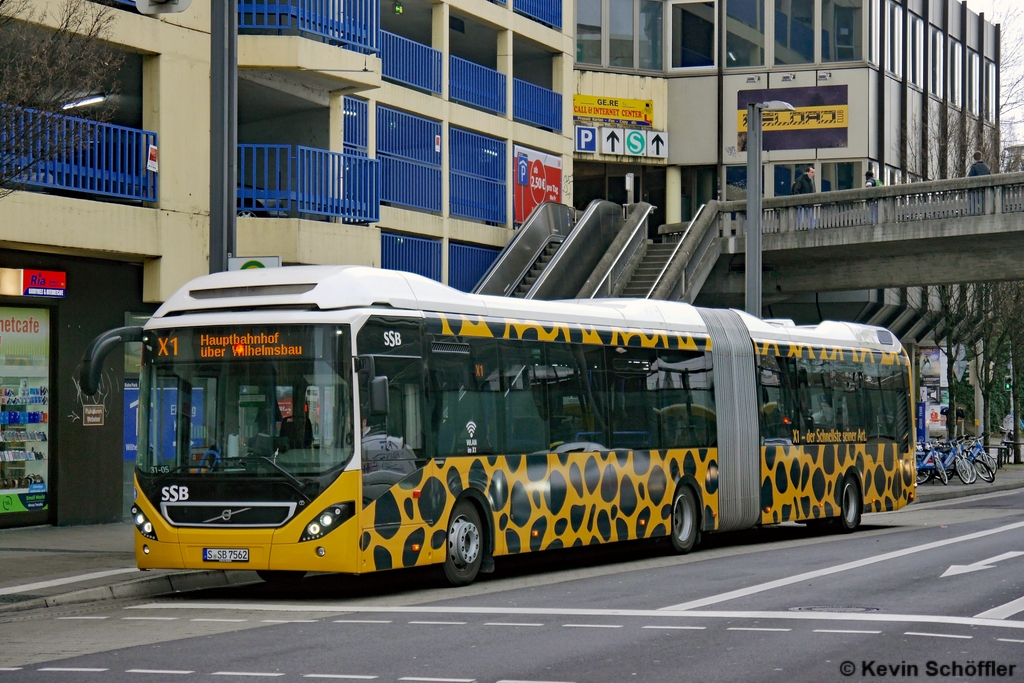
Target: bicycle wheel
924 475
964 470
940 471
985 473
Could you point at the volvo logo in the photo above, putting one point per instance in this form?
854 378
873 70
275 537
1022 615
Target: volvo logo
226 515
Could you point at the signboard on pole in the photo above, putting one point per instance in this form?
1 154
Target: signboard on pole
617 110
538 179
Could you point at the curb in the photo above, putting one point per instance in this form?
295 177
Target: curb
144 587
934 493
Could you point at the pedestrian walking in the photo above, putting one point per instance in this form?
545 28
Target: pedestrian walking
805 183
979 167
869 179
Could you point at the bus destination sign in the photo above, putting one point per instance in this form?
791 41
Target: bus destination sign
232 343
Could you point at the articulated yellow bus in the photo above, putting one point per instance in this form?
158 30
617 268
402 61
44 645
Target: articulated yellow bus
348 419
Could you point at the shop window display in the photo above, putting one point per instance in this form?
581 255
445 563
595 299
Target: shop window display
24 409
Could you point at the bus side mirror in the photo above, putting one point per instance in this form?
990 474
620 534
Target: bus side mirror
379 395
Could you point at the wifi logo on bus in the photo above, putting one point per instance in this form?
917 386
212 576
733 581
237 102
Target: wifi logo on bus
471 428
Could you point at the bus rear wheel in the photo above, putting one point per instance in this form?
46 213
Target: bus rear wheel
851 507
465 545
685 521
280 577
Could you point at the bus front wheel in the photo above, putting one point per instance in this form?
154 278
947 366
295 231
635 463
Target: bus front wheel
465 545
685 521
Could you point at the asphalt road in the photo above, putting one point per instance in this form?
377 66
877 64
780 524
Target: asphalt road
779 604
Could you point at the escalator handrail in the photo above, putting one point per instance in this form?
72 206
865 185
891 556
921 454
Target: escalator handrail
532 262
567 242
642 223
679 244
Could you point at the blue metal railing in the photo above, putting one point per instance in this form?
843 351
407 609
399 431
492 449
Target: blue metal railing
282 180
545 11
470 83
352 23
410 63
467 264
411 254
409 149
536 105
478 176
356 137
69 153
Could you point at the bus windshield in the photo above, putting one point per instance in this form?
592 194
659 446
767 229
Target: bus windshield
260 401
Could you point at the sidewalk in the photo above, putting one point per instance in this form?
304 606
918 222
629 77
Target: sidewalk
47 566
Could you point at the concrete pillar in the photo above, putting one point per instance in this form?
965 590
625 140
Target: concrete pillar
673 194
440 40
336 137
371 128
564 81
505 67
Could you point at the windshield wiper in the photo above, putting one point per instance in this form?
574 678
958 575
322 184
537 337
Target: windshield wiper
242 458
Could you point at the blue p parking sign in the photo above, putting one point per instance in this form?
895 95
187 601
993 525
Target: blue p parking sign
522 170
586 139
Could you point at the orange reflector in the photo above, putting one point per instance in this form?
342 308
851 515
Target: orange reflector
415 547
416 493
911 497
535 533
767 509
643 522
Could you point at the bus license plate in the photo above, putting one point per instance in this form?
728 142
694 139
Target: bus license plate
225 554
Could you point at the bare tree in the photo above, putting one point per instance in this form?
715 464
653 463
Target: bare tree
47 63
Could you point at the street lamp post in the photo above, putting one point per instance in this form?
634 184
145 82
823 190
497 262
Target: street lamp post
223 131
753 266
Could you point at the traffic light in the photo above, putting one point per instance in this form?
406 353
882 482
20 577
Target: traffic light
1009 382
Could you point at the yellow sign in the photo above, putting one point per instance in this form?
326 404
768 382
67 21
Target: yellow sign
803 118
613 110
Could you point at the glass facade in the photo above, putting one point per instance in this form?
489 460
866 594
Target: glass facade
651 31
693 35
794 32
842 30
956 71
916 56
973 82
588 31
894 44
936 73
25 409
744 33
620 37
991 77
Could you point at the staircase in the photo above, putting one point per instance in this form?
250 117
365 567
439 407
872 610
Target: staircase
538 267
646 273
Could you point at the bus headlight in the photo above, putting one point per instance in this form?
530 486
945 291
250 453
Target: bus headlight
328 520
144 526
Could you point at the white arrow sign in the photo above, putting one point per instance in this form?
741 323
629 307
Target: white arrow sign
984 564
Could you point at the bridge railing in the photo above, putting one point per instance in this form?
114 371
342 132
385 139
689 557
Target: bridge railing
880 206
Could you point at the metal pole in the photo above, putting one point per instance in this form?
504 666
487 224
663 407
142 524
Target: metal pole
753 233
223 130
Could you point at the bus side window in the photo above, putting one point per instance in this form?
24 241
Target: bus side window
465 384
776 399
686 400
524 396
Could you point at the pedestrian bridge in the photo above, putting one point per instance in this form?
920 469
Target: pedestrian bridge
930 233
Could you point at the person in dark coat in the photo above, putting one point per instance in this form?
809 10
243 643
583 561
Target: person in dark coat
869 179
979 167
805 183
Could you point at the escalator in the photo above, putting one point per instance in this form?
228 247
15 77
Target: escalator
556 251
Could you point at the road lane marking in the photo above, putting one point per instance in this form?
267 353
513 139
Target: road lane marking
591 625
505 680
149 618
1003 611
361 621
839 630
827 571
165 672
81 618
29 587
230 621
936 635
755 628
439 680
581 612
246 673
10 668
510 623
1009 640
957 569
439 623
288 621
72 669
347 677
680 628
